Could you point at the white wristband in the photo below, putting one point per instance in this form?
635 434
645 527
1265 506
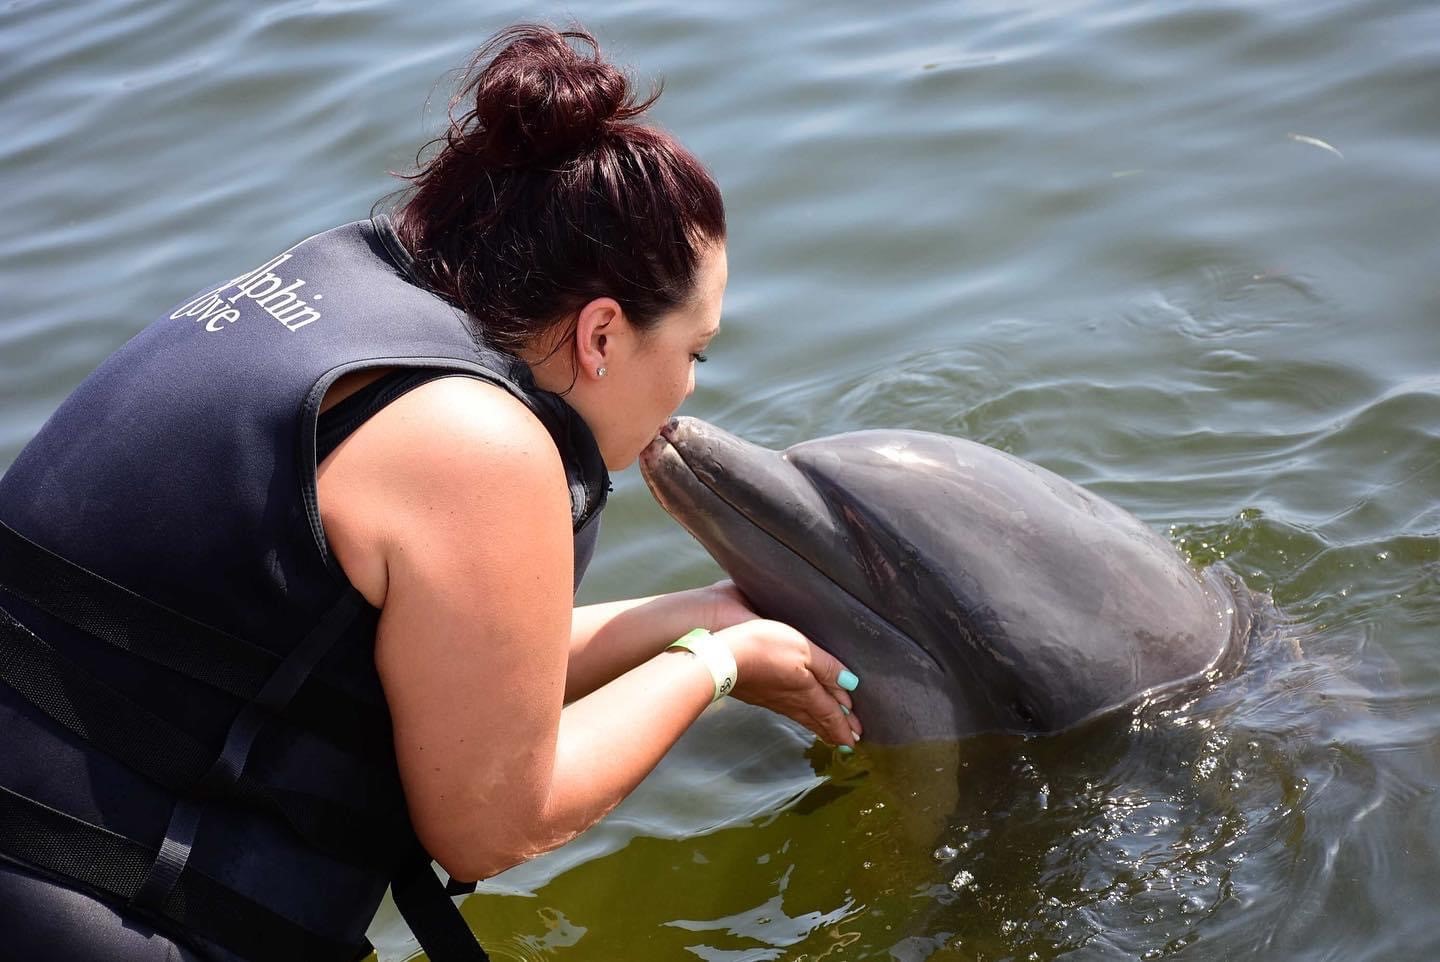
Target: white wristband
715 655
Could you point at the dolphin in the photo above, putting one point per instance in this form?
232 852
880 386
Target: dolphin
970 590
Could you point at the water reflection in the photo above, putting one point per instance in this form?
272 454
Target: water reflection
1234 816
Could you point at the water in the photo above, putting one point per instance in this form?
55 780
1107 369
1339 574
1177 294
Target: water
1185 255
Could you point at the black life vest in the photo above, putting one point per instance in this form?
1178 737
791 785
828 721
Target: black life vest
191 723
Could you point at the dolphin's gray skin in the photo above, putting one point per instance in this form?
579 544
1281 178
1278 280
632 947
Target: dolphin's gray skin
970 590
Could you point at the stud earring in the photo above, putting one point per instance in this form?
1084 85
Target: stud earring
599 372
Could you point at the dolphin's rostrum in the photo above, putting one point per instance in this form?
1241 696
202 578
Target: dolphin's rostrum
971 590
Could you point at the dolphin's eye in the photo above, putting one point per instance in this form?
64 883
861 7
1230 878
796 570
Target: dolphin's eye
1023 711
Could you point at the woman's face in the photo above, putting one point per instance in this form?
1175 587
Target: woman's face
650 373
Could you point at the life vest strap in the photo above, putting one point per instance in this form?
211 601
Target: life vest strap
161 881
162 636
166 754
225 771
128 621
433 918
115 866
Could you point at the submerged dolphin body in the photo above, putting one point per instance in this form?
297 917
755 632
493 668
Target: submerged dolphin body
970 590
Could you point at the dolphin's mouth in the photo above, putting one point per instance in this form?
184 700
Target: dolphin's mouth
664 462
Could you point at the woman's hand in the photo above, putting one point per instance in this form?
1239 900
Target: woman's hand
782 670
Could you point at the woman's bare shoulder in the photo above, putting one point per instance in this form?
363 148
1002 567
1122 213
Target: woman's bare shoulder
454 453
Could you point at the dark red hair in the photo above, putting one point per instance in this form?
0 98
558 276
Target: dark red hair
544 193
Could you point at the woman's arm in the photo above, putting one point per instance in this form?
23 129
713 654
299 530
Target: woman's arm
610 638
449 511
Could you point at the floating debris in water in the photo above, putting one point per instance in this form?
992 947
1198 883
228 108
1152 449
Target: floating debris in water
1315 142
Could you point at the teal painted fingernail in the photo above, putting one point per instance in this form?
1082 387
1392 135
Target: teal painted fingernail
847 680
845 750
844 710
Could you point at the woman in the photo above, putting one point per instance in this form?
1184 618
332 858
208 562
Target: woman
287 580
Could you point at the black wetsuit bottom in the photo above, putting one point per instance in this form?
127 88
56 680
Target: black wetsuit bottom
41 921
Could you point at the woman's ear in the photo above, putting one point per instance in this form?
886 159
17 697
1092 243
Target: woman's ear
596 331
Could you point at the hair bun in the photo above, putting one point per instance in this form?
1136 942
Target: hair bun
538 99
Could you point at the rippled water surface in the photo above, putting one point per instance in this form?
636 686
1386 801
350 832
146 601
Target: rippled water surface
1187 255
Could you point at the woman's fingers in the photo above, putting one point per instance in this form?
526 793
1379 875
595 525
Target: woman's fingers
828 671
837 681
832 725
